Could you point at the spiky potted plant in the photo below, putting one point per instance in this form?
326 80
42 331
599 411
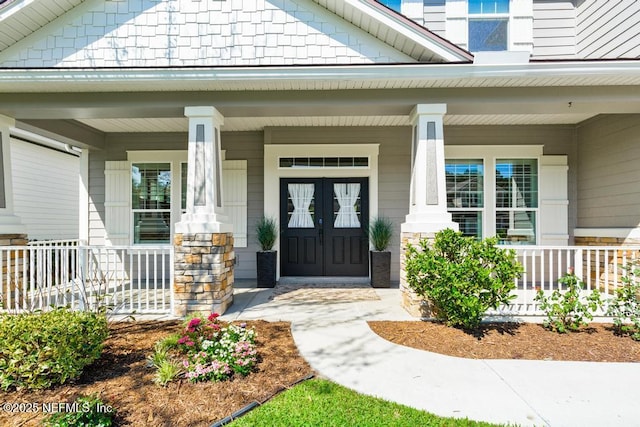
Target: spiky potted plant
266 258
380 234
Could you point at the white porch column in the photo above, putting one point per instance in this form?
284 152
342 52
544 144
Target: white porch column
203 240
428 200
428 208
10 224
204 175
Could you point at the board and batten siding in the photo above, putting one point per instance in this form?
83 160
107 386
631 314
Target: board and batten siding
608 172
608 29
554 29
45 190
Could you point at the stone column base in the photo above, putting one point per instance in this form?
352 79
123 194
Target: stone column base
412 302
203 273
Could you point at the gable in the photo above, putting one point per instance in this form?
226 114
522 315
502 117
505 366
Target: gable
156 33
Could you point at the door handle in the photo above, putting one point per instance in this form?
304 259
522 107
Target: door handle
321 230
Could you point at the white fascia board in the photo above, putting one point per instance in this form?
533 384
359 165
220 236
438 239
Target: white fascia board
61 80
14 7
395 23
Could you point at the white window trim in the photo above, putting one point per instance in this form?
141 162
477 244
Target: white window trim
489 154
174 158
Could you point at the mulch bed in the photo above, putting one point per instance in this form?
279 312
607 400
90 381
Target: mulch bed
596 343
122 379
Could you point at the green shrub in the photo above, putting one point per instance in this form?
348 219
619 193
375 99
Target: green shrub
462 277
625 305
87 411
567 310
39 350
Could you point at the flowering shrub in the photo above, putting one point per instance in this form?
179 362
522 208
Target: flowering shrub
212 351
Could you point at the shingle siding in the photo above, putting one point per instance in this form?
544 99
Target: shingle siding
185 32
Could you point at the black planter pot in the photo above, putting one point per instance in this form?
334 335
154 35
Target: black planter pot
380 269
266 265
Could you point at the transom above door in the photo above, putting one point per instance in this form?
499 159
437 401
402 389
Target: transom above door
323 223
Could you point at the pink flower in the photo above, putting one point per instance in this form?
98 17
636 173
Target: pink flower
194 323
213 316
183 340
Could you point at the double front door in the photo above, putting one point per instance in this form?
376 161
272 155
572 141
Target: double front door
323 223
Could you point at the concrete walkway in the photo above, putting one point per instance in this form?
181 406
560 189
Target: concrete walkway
332 334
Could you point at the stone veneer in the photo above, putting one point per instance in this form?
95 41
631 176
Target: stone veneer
203 273
605 241
412 302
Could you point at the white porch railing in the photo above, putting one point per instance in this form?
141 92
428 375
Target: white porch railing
125 279
599 267
48 243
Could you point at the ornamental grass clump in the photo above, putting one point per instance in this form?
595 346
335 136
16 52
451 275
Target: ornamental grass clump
207 350
43 349
462 277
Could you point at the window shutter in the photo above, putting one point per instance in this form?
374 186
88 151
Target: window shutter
554 202
235 198
117 203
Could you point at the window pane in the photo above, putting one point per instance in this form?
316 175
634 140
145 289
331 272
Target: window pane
488 6
151 227
464 183
516 183
516 227
487 34
301 206
151 186
393 4
470 223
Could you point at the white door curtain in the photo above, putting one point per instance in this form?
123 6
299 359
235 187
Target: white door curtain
301 197
347 196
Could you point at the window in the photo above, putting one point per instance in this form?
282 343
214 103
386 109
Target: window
392 4
151 202
488 25
494 196
465 194
516 192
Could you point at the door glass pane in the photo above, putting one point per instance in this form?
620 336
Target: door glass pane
346 205
301 205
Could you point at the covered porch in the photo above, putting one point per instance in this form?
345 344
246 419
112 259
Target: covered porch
220 135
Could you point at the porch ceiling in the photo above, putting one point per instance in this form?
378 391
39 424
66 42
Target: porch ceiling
235 124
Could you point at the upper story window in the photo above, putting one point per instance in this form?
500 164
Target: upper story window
488 25
392 4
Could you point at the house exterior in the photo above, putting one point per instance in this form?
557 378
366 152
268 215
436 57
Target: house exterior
515 118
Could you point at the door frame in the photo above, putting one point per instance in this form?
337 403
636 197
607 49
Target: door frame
273 172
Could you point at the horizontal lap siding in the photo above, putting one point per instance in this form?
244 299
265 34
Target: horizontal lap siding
45 184
248 146
608 29
554 29
435 18
609 177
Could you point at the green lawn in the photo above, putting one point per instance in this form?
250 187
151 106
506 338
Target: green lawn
323 403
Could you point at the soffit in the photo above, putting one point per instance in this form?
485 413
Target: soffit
20 18
236 124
